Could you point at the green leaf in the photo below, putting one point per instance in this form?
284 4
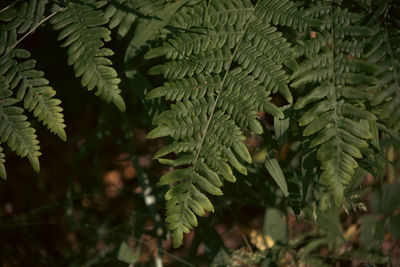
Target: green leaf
158 132
273 110
282 126
16 130
242 151
272 165
275 225
175 176
160 20
81 29
126 255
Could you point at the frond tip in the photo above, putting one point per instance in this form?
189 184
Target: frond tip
31 87
18 133
80 25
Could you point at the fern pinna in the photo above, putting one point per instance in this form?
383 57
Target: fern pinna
80 24
123 14
223 64
332 81
21 82
22 87
384 50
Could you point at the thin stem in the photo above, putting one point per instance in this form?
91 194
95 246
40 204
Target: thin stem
7 7
31 31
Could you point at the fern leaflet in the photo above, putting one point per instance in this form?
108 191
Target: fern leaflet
33 89
16 130
124 13
218 85
80 27
20 81
333 83
384 51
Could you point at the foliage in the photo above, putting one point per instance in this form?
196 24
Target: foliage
222 70
215 101
314 83
21 82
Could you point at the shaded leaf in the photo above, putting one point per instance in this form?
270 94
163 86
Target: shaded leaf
272 165
275 225
160 20
126 255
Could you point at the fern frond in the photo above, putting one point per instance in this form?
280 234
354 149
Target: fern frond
186 43
270 42
218 13
34 14
254 61
33 89
18 21
310 47
385 51
318 9
333 80
285 13
16 130
209 61
80 25
20 81
122 14
219 84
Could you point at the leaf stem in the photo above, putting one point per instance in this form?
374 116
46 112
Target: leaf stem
30 31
